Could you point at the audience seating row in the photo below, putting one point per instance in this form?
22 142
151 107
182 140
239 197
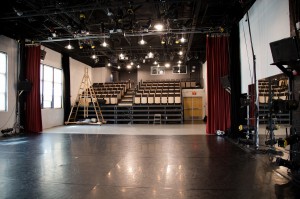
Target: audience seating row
158 92
109 99
182 84
278 90
170 98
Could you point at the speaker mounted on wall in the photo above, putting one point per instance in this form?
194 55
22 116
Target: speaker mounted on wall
24 85
225 82
286 52
43 54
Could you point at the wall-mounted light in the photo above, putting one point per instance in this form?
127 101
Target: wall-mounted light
180 52
119 67
93 56
167 65
109 64
138 66
129 66
155 62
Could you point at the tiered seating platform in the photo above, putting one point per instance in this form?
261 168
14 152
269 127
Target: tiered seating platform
158 92
272 90
111 92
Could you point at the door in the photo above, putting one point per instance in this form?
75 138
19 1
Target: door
193 108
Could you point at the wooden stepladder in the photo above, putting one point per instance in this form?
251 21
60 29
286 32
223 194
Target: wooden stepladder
86 96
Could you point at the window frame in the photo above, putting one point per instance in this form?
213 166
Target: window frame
5 92
53 83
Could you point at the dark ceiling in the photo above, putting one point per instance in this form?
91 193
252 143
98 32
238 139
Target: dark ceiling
86 24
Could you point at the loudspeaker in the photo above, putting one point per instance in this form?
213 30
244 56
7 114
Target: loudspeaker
24 86
225 81
285 50
43 55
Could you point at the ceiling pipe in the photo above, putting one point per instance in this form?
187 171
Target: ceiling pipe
72 38
197 10
202 31
97 5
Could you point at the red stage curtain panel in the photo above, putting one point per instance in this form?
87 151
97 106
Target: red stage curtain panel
218 99
33 105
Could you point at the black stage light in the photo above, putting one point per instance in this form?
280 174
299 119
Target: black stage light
271 142
8 130
246 128
285 163
293 139
280 105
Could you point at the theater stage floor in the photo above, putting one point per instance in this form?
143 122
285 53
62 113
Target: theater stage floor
135 161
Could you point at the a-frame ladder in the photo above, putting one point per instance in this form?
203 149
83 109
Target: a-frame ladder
86 96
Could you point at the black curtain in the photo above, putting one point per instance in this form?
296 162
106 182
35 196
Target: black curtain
238 115
22 77
67 93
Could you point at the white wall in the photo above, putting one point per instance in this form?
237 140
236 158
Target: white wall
101 75
269 21
77 70
10 46
52 117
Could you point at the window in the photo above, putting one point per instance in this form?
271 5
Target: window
155 70
51 87
3 81
179 70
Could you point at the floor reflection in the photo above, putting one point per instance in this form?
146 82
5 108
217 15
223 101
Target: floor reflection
131 166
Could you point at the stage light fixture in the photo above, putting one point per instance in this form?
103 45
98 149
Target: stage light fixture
128 66
142 41
150 55
163 40
93 45
121 56
69 46
104 44
159 27
177 41
182 39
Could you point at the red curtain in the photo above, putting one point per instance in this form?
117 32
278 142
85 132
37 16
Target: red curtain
33 105
218 99
251 92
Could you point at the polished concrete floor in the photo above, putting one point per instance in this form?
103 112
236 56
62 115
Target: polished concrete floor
136 161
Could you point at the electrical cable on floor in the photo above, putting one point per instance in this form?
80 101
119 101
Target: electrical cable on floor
13 110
